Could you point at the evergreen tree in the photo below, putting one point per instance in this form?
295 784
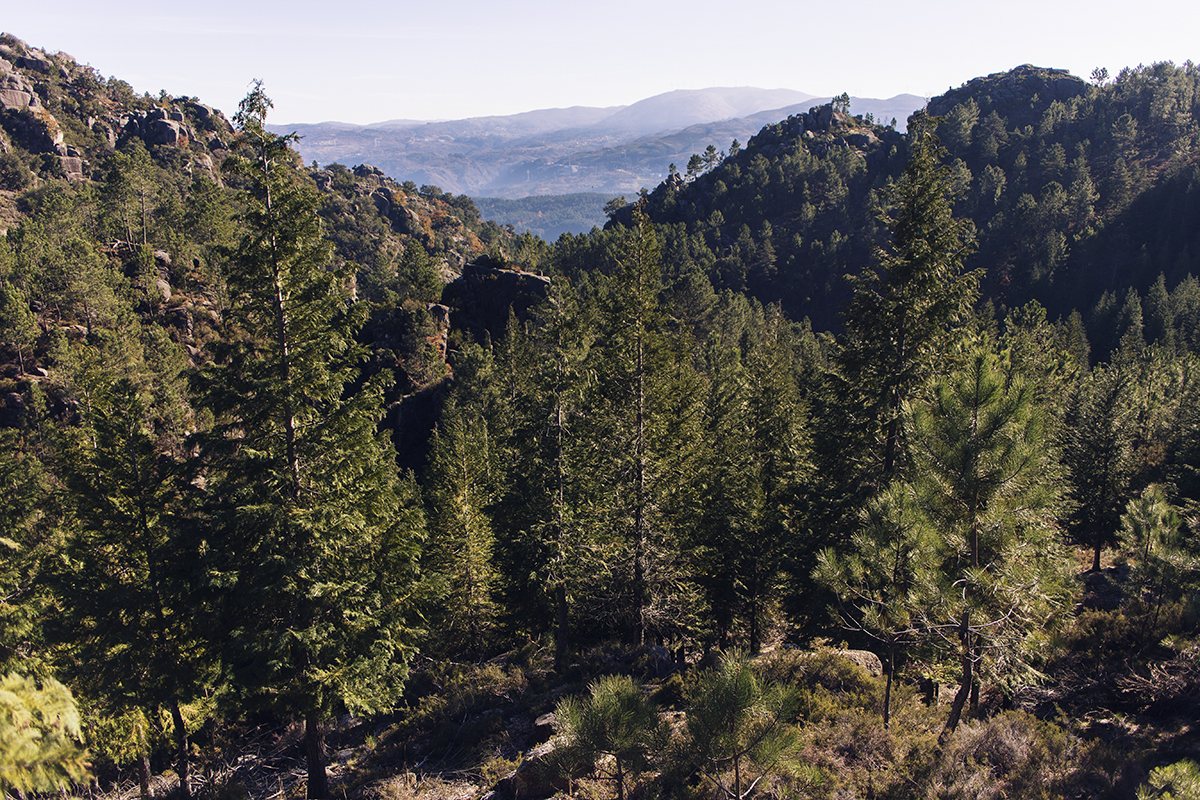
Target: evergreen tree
1160 327
757 454
316 535
900 320
633 356
1166 564
129 593
18 324
882 583
552 549
737 723
986 481
127 196
1097 448
459 488
25 540
613 722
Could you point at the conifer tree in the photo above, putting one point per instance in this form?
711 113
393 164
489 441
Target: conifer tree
632 364
1097 451
614 730
130 604
318 536
900 320
757 454
986 480
738 723
551 549
459 490
18 324
902 326
882 582
24 542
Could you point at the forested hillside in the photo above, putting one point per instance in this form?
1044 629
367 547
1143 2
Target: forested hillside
845 463
1078 193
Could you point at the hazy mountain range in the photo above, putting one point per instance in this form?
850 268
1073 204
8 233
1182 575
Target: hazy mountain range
610 151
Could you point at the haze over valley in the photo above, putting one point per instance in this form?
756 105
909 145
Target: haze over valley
609 151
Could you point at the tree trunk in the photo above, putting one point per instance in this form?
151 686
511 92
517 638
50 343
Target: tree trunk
964 688
560 637
639 513
144 775
887 689
755 635
560 494
181 751
314 741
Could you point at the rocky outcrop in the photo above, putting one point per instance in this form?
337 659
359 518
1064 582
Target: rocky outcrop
823 128
1021 95
486 292
158 126
72 167
16 92
865 659
537 776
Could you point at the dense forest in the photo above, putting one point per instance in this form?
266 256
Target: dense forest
844 463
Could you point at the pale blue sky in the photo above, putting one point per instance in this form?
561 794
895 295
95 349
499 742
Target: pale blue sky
364 61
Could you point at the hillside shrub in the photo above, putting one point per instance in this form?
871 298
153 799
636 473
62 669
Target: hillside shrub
1010 755
14 173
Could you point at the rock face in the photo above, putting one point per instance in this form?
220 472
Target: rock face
15 92
486 292
536 777
159 126
865 659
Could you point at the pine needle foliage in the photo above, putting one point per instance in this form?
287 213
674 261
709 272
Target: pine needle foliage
737 723
904 310
129 581
987 481
615 730
461 541
881 582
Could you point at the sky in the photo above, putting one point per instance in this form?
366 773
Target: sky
362 61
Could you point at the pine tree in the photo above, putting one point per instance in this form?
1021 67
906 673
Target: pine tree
756 456
902 327
24 542
18 324
1165 566
615 730
882 582
551 550
986 480
633 363
1097 445
737 722
317 537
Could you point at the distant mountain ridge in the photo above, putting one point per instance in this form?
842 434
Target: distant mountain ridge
613 151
